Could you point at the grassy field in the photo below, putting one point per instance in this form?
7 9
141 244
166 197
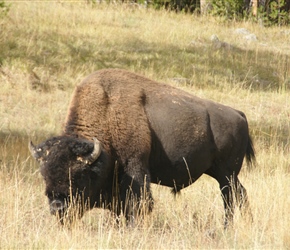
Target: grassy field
46 48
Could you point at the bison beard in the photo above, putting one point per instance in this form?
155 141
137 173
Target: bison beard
147 132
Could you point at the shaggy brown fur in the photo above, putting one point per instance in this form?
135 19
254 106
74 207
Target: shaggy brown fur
155 132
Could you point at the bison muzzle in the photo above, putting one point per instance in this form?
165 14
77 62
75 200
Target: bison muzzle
124 131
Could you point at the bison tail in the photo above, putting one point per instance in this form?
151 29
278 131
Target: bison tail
250 153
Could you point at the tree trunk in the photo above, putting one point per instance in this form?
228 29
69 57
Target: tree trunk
255 4
203 6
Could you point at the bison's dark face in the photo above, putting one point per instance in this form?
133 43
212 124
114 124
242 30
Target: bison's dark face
72 169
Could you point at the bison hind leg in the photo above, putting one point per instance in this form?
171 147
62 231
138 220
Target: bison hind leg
234 195
233 192
243 200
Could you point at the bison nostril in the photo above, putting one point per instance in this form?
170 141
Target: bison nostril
56 205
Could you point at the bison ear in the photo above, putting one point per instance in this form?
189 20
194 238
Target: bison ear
35 152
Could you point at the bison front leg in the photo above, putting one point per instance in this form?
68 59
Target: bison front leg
135 195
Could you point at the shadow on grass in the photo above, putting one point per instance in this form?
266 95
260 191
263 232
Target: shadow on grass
203 65
14 148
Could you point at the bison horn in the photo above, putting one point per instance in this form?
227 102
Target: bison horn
35 152
96 152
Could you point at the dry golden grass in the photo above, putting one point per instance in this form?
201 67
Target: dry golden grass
48 47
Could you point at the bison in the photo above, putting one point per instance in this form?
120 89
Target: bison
124 131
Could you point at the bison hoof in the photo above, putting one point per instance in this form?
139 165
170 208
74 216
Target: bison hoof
56 206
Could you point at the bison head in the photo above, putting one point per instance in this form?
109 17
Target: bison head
74 171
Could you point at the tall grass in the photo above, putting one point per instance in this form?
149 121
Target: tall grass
46 48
